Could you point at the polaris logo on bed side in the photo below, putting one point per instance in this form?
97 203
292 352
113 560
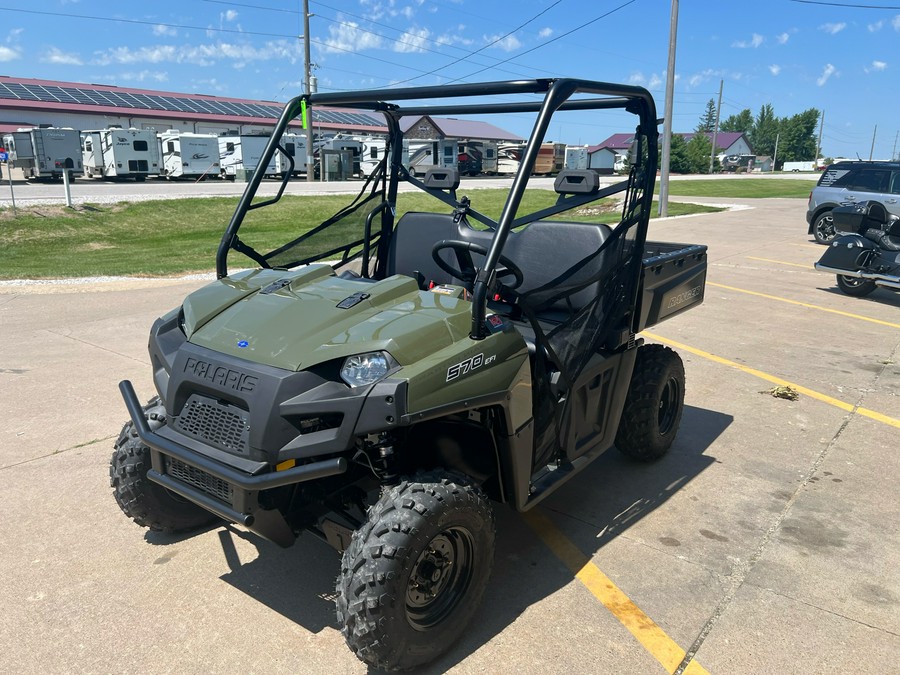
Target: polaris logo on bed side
220 375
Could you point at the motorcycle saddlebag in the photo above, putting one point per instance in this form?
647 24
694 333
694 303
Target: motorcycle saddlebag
849 252
850 219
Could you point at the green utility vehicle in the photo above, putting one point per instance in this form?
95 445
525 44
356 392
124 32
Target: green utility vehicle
385 377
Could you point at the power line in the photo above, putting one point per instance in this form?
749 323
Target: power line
845 4
245 5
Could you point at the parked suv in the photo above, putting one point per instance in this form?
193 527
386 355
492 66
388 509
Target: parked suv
846 183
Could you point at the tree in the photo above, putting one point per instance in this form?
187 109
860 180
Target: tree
678 159
798 136
707 122
764 132
742 122
698 150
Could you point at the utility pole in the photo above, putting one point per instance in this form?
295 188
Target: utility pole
775 156
894 151
819 142
712 155
667 129
872 149
310 160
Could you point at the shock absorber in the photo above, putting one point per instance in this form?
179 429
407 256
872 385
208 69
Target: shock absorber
385 460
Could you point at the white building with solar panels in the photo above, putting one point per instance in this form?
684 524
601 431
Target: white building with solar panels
32 103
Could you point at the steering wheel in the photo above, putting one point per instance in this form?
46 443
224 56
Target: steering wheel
467 271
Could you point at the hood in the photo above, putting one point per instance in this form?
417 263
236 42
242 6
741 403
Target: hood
297 319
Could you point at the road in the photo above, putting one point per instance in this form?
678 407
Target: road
764 542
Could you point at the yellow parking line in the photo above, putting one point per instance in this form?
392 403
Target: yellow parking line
805 304
825 398
651 636
782 262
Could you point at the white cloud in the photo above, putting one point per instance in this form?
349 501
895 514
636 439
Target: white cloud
230 15
60 58
348 37
774 69
202 55
7 54
413 40
875 27
408 12
508 44
655 82
13 35
755 41
895 22
545 32
828 71
783 38
833 28
455 38
876 67
637 79
160 29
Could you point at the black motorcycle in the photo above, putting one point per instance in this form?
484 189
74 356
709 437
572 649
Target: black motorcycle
865 252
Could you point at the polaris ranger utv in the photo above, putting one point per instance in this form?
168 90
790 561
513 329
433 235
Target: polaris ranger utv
382 379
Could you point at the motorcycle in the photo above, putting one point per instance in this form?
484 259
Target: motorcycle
865 252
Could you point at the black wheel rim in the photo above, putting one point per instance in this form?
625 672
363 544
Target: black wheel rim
668 405
852 282
440 578
825 227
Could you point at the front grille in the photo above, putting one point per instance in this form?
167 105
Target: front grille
214 487
217 424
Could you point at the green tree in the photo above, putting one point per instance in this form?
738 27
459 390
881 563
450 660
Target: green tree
764 132
798 136
708 119
678 161
742 122
698 150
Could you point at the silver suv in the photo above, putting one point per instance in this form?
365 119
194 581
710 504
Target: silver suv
846 183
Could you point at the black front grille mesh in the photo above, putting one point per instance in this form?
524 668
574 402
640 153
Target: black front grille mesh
214 423
215 487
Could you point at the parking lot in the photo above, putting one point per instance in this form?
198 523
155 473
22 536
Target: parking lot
765 541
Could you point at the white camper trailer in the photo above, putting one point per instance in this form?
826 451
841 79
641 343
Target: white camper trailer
43 153
425 155
577 157
372 153
187 155
295 145
120 153
488 151
509 156
242 153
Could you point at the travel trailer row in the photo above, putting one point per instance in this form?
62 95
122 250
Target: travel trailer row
44 153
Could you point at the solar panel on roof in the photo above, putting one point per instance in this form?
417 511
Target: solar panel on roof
23 93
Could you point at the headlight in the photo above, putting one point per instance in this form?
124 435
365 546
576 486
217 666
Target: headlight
364 369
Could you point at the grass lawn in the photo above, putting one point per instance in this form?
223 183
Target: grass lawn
746 187
160 238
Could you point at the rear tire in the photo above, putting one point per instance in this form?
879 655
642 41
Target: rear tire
823 228
414 573
653 405
145 502
855 286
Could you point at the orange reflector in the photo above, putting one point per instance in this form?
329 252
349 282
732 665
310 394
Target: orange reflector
286 464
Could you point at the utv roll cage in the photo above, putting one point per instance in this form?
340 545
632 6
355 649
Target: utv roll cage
557 95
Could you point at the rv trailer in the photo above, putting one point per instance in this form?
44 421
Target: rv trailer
550 160
120 153
43 153
295 147
425 155
242 153
188 155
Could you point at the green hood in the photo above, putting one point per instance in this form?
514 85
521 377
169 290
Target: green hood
291 319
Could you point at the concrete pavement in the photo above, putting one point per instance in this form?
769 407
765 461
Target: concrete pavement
764 542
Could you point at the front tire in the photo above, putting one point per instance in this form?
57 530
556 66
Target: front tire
855 286
149 504
414 573
653 405
823 228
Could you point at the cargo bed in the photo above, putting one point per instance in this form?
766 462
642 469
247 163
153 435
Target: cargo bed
673 280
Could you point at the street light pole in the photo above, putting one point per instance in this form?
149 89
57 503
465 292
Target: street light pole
310 161
667 129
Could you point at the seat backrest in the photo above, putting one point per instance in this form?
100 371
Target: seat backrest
543 250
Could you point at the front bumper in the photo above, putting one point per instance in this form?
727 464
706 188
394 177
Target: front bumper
229 493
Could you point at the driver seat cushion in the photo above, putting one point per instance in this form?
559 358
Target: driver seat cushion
543 250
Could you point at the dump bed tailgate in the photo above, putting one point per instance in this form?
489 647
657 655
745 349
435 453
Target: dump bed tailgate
673 280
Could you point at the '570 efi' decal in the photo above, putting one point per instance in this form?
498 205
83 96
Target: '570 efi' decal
468 366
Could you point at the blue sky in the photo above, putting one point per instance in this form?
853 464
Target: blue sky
794 55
